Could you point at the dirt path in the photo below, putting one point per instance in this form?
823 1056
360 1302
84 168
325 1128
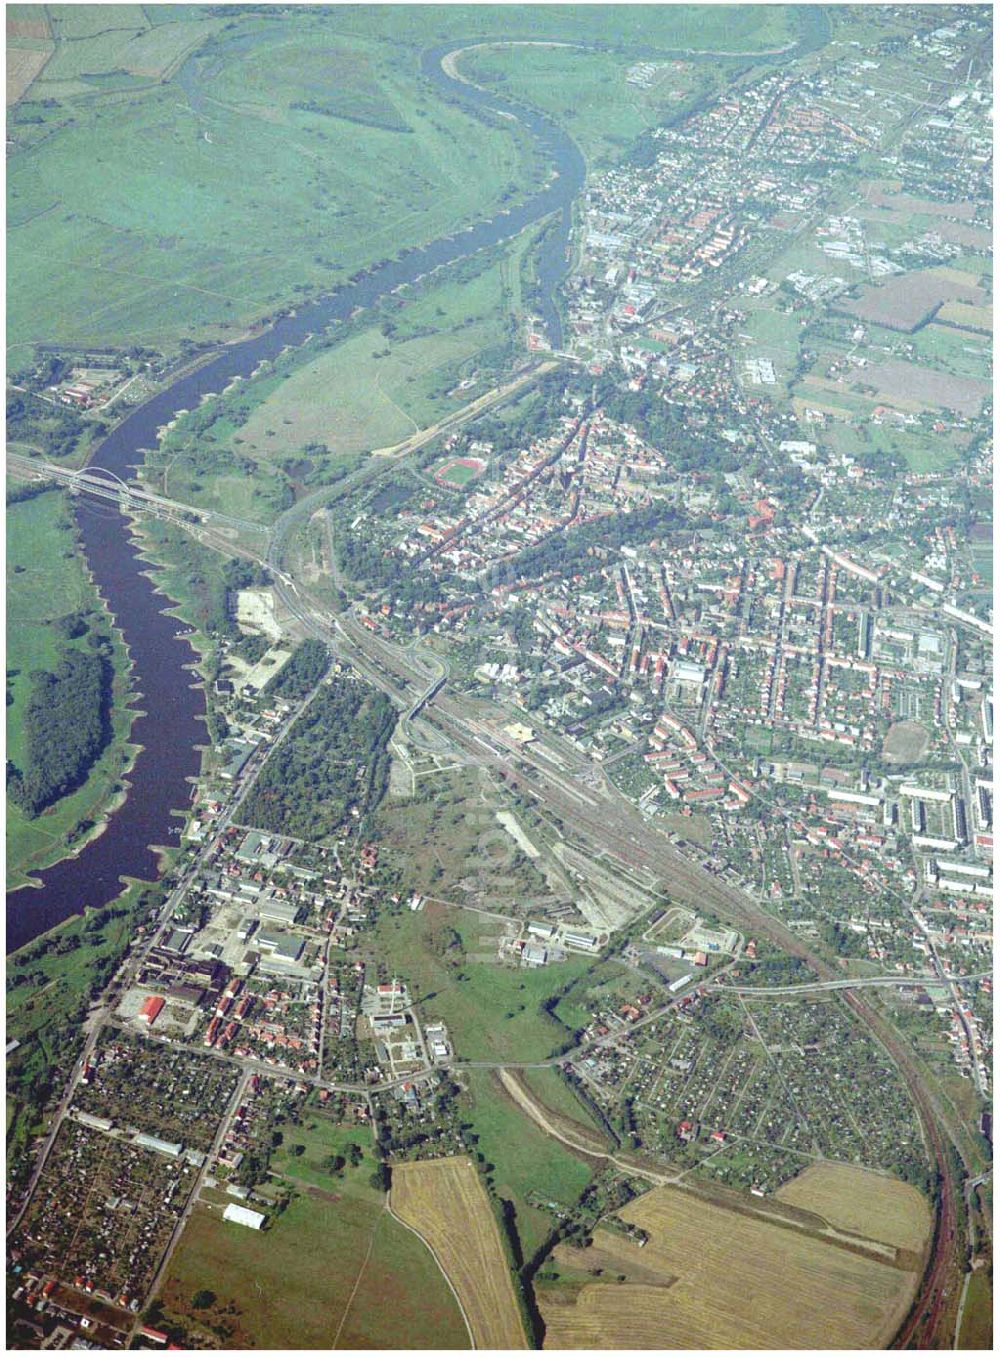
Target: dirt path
537 1113
458 1299
361 1273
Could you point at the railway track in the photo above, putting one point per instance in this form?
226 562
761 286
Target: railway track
608 819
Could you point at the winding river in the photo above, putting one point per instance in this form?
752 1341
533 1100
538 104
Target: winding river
170 724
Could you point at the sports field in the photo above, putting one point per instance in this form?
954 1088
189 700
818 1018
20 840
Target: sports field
444 1201
712 1277
460 471
905 742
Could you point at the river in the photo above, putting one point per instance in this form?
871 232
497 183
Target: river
171 724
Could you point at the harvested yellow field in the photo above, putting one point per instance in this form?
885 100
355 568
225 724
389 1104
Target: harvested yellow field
967 317
851 1198
713 1277
23 65
446 1204
957 277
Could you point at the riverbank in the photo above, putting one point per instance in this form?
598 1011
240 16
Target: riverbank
171 733
49 583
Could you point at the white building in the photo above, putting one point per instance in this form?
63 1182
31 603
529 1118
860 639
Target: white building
242 1215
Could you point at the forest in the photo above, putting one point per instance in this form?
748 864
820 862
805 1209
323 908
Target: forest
334 762
303 671
66 724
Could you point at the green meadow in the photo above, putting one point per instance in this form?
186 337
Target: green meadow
493 1012
258 163
323 1270
47 581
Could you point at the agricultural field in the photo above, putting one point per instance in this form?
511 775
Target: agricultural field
865 1203
164 221
320 1270
24 65
446 1204
46 583
966 316
133 48
27 21
949 350
712 1276
907 386
909 300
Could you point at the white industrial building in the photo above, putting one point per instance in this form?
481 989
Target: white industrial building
242 1215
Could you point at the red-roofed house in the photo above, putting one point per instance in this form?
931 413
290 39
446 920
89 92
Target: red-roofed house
151 1009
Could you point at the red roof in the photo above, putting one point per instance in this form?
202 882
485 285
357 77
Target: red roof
151 1008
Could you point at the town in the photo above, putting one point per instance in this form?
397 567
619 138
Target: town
595 809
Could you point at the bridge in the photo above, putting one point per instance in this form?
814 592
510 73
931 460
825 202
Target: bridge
101 483
427 696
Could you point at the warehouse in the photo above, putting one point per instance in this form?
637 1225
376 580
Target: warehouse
242 1215
278 911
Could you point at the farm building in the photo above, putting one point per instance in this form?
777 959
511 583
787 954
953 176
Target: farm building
534 955
242 1215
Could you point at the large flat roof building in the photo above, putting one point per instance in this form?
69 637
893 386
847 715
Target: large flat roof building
242 1215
